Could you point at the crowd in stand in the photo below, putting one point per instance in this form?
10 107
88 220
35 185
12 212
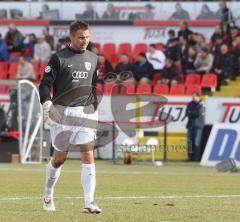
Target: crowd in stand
114 12
184 53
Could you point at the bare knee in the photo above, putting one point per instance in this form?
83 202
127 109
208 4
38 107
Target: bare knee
58 159
87 157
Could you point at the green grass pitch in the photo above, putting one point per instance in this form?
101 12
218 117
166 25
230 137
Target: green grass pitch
135 193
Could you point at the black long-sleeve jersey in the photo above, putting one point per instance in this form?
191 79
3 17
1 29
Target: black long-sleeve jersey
73 77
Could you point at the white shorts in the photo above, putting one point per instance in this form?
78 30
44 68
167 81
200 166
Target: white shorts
83 132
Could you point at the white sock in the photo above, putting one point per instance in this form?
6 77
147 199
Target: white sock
52 175
88 180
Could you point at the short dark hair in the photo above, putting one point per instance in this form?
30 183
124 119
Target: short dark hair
153 45
171 32
142 54
78 25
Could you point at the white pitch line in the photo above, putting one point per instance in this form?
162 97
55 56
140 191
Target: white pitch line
128 197
111 172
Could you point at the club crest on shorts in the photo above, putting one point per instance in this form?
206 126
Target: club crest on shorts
88 66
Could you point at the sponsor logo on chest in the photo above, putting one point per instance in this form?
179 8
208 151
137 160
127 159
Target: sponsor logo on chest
77 75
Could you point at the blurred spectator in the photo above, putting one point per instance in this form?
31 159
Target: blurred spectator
170 74
236 57
183 51
28 46
206 13
217 32
204 61
188 63
142 69
180 13
184 30
104 67
148 13
216 47
200 41
13 39
234 32
195 112
95 49
42 50
48 37
223 65
225 15
16 14
110 12
45 8
124 64
3 50
156 58
172 46
89 13
25 70
48 14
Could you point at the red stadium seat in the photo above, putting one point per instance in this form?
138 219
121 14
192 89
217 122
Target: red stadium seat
109 50
138 48
144 89
111 89
161 89
193 79
156 77
193 88
179 67
182 78
125 48
3 70
178 89
209 81
13 70
41 69
127 89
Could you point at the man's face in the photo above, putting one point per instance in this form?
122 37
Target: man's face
196 98
101 59
80 39
141 59
223 4
234 33
224 49
203 54
124 59
219 41
151 49
168 63
21 60
178 8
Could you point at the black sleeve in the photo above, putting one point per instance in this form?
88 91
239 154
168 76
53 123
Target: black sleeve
94 87
50 72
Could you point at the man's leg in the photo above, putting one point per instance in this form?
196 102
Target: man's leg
88 178
52 175
197 144
190 144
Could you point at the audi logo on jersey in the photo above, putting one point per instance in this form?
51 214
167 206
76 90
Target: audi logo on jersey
79 75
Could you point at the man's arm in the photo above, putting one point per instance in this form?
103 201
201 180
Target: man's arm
50 72
94 87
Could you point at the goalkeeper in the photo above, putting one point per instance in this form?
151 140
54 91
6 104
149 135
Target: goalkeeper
71 68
